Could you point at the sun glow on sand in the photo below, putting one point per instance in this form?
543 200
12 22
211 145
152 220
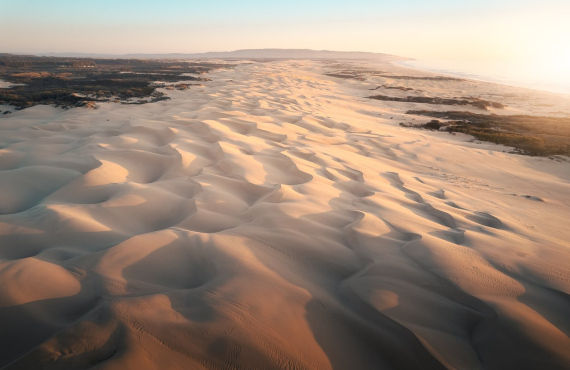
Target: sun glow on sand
269 209
523 42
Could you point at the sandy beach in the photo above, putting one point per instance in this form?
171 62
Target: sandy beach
276 218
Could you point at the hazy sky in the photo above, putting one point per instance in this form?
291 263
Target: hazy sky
506 36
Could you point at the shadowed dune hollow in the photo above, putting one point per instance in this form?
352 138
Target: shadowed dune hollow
275 218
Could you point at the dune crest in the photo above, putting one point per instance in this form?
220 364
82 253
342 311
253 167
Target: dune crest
276 218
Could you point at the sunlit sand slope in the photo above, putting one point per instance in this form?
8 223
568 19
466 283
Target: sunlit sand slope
275 218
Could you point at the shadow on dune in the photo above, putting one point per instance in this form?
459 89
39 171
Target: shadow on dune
26 326
320 253
351 333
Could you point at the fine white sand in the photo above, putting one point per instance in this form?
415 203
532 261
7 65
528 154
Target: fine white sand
275 218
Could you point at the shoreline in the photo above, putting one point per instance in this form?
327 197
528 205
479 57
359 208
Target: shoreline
175 234
426 67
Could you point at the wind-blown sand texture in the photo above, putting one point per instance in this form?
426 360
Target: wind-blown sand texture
277 218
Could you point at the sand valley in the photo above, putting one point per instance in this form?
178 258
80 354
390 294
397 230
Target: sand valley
274 216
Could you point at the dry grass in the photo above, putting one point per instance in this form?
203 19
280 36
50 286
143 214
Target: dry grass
532 135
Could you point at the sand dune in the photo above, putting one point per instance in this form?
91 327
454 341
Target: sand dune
276 218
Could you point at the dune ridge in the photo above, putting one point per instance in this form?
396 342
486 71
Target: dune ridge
275 218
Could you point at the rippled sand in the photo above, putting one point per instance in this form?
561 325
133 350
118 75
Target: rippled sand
274 218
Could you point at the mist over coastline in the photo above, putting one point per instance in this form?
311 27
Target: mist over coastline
298 184
496 73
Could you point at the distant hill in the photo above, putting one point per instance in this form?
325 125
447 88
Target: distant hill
250 54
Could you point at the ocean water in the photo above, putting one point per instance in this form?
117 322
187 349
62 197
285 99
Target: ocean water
538 78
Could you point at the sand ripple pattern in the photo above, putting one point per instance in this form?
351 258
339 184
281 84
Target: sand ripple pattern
271 220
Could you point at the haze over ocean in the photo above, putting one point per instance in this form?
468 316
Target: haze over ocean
284 184
522 41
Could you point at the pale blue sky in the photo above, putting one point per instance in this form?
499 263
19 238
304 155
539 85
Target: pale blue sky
508 35
133 12
188 26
